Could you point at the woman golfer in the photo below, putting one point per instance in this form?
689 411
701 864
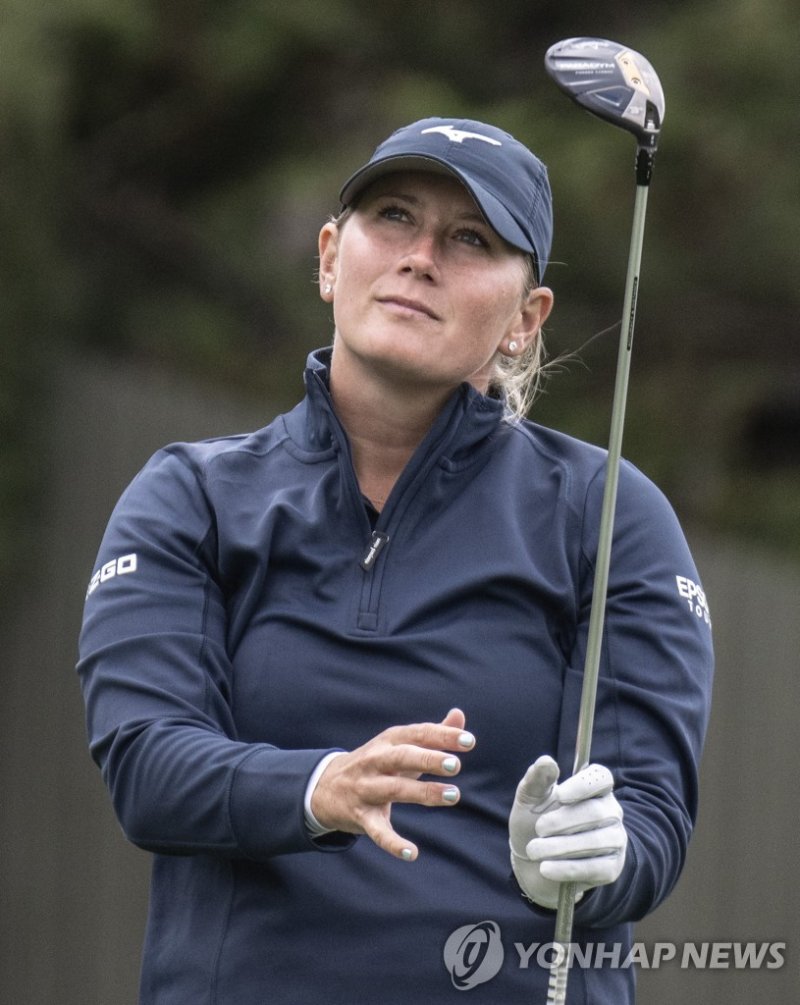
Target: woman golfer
333 680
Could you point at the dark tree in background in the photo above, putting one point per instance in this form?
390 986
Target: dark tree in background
165 167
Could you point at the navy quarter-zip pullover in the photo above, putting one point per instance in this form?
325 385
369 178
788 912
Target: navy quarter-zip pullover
246 618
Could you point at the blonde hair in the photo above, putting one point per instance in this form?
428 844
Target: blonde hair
519 378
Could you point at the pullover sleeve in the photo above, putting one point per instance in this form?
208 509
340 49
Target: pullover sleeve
156 680
653 695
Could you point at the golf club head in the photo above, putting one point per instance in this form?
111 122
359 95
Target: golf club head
611 81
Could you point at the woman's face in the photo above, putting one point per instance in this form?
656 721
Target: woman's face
424 291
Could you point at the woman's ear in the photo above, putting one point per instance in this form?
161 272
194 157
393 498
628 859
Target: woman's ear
328 252
533 314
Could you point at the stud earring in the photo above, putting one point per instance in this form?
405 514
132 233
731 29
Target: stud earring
512 346
328 289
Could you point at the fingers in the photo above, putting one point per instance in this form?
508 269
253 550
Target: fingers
538 781
600 811
455 717
406 753
356 791
432 736
570 832
380 790
378 828
595 780
378 793
411 762
589 872
592 857
587 844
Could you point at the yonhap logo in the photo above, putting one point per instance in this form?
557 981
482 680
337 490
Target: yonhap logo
473 954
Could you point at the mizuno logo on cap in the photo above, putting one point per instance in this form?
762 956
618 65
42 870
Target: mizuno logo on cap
459 135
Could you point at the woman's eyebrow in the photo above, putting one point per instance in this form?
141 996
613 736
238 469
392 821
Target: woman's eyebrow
469 215
390 193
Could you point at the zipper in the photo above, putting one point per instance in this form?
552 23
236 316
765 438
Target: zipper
371 583
376 545
419 467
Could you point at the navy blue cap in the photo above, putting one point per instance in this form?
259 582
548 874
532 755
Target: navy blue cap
505 179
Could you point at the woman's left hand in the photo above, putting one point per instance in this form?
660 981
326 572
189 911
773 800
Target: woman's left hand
567 833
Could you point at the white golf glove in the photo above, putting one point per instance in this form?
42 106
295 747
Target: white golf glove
570 832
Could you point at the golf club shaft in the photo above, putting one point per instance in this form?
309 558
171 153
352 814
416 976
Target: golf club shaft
566 902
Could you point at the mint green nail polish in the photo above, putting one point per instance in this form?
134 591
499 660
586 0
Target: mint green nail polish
450 764
466 740
407 854
450 795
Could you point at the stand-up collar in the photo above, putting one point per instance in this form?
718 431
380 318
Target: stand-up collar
467 418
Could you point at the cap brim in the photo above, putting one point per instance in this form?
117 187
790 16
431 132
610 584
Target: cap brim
497 216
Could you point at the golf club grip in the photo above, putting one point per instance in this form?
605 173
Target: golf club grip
559 971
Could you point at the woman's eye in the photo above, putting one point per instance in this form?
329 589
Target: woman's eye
473 237
393 213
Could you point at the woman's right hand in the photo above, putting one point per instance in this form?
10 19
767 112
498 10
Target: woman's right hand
355 792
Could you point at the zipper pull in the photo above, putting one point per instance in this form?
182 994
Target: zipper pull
376 545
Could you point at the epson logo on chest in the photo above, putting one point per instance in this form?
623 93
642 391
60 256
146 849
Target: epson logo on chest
116 567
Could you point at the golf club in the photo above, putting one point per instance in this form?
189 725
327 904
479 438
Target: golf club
620 86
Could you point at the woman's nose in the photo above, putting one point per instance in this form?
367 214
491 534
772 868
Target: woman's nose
421 257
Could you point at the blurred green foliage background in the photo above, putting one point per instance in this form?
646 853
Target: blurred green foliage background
165 168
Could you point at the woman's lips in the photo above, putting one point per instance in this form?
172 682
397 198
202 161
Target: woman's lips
406 305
